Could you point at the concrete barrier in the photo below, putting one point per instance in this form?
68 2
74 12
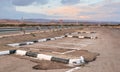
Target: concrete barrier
4 53
42 40
75 36
21 44
58 37
12 51
52 39
81 37
85 32
13 45
44 57
72 62
35 41
29 43
31 54
61 60
49 39
68 36
7 52
21 52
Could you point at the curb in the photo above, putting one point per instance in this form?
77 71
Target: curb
35 41
86 32
80 37
7 52
71 62
55 38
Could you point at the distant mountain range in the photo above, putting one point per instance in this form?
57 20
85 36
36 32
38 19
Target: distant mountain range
88 22
6 21
12 21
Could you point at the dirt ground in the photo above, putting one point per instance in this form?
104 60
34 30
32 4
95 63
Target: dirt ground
30 37
107 45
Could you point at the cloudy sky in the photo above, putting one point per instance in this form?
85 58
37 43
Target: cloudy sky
92 10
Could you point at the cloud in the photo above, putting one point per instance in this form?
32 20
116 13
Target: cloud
64 11
42 2
100 12
70 2
108 9
28 2
22 2
103 12
69 9
8 11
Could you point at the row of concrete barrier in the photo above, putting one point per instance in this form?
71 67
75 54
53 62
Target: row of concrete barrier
54 38
71 35
81 37
85 32
71 62
7 52
35 41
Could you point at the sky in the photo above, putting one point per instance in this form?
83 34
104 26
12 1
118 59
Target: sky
88 10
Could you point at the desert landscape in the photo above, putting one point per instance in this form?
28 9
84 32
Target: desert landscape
101 54
59 35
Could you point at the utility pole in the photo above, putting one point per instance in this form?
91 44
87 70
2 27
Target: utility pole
61 23
77 20
22 28
22 20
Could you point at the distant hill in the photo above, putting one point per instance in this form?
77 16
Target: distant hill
70 21
37 21
13 21
8 21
